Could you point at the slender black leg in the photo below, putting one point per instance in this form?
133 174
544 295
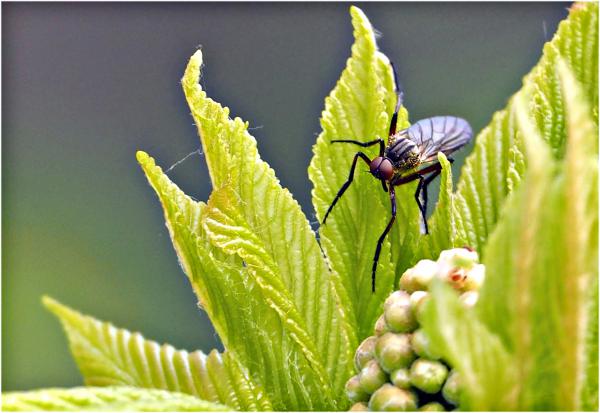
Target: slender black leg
422 206
382 237
424 184
414 176
399 98
384 186
379 141
428 181
348 182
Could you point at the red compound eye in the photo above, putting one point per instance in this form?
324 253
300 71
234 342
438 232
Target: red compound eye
382 168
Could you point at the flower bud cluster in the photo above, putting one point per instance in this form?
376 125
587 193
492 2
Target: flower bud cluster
397 370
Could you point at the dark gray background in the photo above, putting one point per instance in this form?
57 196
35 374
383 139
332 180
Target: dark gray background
86 85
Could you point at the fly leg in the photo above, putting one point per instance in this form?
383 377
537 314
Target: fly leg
382 237
364 144
422 205
348 182
422 187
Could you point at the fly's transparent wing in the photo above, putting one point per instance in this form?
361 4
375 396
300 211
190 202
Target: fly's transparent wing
439 134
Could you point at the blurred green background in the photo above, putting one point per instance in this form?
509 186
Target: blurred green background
86 85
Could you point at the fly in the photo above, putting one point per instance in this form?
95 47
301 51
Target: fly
410 155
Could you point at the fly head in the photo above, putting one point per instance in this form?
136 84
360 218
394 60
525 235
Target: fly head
382 168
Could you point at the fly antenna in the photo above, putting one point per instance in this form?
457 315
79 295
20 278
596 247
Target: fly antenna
399 99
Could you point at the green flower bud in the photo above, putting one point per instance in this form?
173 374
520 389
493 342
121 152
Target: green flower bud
417 302
432 407
451 390
390 398
393 351
401 378
395 297
428 375
469 299
422 346
417 299
371 377
398 313
418 277
359 407
354 391
380 326
364 352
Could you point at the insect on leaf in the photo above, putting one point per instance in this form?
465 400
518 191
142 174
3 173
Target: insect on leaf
359 108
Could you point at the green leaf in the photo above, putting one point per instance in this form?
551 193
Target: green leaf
233 299
109 356
539 305
359 108
485 366
540 294
229 230
277 221
106 399
495 167
580 314
246 324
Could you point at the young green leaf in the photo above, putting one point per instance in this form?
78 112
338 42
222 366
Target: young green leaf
359 108
109 356
581 173
540 293
575 43
106 399
539 301
495 167
230 295
226 226
276 219
485 366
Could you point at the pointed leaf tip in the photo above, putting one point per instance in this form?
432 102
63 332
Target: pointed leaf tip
265 211
48 301
141 156
58 309
357 12
192 71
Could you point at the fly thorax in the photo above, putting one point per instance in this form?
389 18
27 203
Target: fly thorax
403 153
